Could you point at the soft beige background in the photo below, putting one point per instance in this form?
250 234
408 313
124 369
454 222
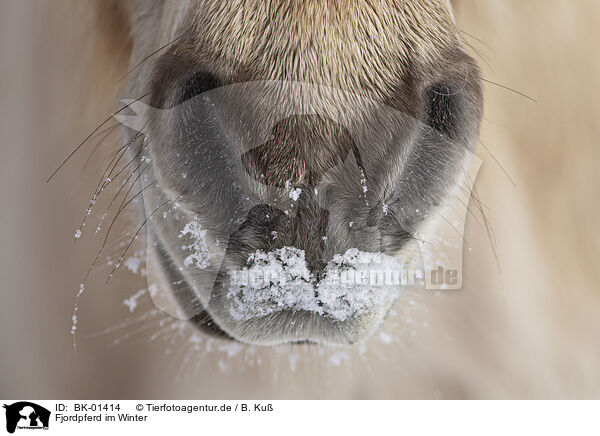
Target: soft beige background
527 325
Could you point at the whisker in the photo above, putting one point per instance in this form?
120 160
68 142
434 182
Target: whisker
498 163
110 178
93 265
121 188
483 58
123 205
105 180
470 35
149 56
135 237
123 325
100 187
488 228
94 197
91 135
522 94
127 165
126 181
105 134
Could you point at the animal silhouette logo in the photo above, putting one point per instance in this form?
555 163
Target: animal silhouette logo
26 415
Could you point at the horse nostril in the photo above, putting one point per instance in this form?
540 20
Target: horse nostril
443 108
200 82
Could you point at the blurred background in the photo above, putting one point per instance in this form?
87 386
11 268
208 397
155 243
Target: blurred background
525 325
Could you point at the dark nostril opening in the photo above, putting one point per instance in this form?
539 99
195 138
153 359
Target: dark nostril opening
442 108
199 83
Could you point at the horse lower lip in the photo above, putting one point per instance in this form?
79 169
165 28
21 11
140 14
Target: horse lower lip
288 326
280 280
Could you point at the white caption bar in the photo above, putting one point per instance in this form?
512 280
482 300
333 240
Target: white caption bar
301 417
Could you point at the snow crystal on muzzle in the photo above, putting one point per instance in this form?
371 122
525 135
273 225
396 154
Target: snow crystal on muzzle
279 280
